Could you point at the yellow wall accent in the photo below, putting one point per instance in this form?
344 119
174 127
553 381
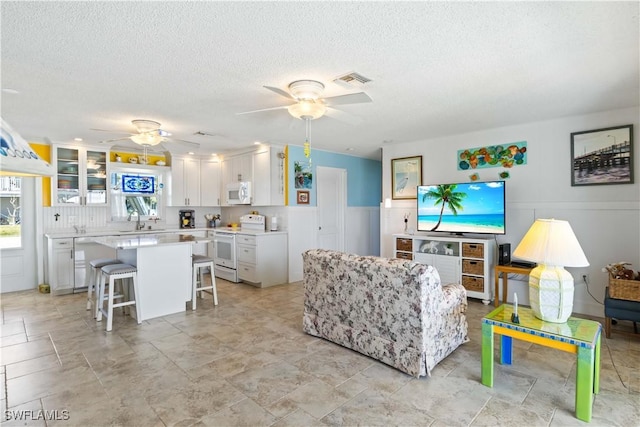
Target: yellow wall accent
286 175
151 158
44 152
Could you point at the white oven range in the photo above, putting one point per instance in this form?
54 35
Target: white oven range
224 246
224 255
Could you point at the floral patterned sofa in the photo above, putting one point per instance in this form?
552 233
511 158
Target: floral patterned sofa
392 310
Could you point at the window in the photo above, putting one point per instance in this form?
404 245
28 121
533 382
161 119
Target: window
10 228
135 194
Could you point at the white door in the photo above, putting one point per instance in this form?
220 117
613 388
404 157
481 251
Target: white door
18 264
332 205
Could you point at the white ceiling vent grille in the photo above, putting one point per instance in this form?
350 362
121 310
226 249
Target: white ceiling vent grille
351 80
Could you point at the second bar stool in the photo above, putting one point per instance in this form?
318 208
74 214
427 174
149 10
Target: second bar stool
94 282
199 262
111 273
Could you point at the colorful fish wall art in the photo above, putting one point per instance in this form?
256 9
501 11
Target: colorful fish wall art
493 156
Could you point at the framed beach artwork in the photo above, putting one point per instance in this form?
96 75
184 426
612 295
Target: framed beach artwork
406 175
602 156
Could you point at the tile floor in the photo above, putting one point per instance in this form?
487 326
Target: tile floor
247 362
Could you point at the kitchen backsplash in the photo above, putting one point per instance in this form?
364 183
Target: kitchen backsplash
91 217
68 216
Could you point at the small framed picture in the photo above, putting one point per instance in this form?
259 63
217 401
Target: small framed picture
406 175
602 156
303 197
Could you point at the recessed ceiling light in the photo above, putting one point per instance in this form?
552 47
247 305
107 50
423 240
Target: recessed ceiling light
77 139
257 143
11 91
191 152
349 149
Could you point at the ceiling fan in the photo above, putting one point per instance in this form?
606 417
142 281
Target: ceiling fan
149 134
309 104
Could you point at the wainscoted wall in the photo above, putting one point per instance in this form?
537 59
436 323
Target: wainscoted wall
605 218
362 234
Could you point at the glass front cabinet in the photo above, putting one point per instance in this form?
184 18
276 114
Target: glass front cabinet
81 176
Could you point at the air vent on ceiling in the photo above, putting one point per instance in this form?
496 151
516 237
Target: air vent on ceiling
352 79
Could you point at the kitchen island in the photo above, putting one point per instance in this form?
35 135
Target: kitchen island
164 269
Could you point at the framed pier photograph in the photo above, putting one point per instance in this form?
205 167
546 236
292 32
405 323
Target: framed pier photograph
602 156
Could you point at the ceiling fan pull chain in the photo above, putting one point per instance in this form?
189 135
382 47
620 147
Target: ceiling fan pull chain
307 144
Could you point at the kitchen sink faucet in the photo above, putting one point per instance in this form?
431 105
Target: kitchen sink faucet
139 225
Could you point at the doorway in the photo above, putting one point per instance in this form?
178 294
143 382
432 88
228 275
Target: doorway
18 260
332 207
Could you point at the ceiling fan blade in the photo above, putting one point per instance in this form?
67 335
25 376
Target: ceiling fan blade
111 131
106 141
264 109
280 92
352 98
343 116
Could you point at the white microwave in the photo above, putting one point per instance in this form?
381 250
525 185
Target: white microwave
238 193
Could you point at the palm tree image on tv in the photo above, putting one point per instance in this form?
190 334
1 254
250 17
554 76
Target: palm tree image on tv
474 207
447 196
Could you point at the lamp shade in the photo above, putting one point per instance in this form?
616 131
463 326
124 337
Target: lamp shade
551 242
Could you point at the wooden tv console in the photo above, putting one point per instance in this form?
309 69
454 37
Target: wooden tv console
458 259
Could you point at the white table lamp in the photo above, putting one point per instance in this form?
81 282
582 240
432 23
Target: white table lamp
552 244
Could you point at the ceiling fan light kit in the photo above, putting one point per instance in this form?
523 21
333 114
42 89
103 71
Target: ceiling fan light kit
307 109
147 138
144 126
306 89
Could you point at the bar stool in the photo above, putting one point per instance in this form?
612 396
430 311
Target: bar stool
113 272
94 281
200 262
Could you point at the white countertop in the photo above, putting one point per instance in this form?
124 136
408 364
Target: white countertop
135 242
124 233
239 230
113 232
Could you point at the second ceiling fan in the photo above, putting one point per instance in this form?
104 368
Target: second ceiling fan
309 104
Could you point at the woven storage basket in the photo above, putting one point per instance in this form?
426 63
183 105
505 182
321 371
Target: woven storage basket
624 289
473 283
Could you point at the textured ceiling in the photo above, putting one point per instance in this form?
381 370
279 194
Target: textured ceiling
437 68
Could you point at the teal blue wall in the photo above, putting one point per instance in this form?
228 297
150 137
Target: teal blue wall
364 176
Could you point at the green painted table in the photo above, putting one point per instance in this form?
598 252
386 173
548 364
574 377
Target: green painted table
576 336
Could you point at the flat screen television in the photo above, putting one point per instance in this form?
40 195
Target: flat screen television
470 207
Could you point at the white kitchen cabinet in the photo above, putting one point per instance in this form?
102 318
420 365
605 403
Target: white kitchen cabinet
236 168
60 265
464 260
185 181
268 176
262 258
81 176
210 182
